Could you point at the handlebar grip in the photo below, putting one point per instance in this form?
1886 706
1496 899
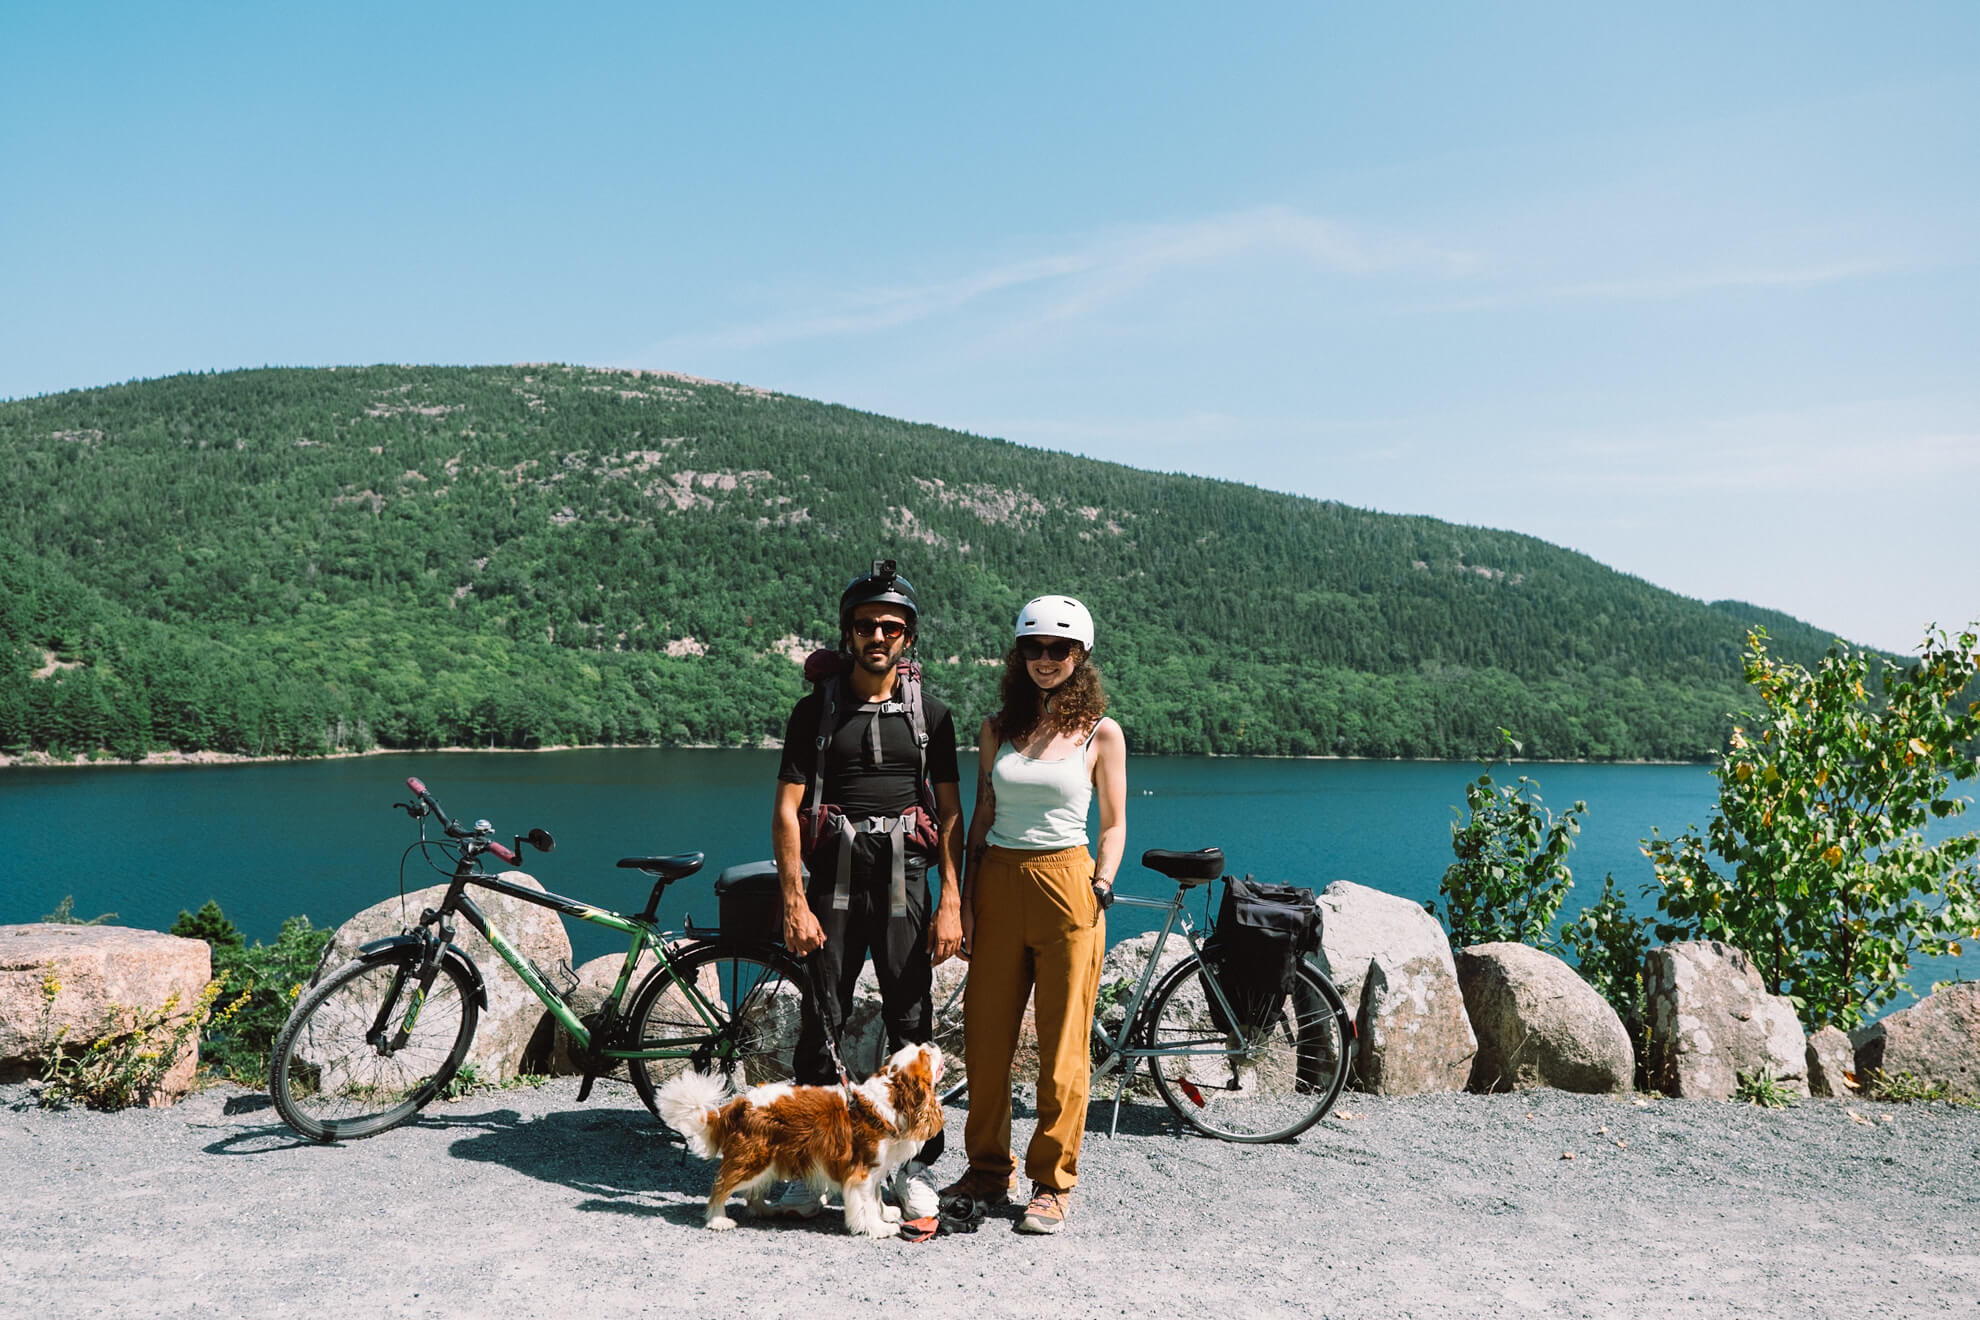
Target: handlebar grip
502 851
419 789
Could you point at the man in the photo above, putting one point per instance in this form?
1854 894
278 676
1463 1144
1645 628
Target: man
856 811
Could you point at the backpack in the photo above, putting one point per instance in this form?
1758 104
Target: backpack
1262 933
822 826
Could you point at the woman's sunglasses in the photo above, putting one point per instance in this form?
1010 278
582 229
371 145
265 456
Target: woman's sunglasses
887 628
1033 649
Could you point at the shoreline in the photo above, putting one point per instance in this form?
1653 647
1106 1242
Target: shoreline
153 760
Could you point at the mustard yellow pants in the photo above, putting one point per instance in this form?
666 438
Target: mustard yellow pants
1037 927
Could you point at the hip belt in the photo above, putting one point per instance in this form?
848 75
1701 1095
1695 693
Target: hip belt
844 830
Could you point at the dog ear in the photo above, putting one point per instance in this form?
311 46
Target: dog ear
913 1083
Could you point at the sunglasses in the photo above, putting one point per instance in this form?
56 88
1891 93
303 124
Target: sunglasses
1031 648
887 628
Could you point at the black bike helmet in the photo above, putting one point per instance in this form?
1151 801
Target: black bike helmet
882 586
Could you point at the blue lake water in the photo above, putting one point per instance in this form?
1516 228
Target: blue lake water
269 841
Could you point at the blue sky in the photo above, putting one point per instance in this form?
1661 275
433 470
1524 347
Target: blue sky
1696 292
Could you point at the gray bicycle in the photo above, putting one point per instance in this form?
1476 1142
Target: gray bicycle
1266 1072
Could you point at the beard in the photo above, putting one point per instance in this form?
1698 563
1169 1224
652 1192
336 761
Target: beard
875 660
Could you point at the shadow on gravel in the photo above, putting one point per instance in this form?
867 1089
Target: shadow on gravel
1137 1120
621 1159
257 1141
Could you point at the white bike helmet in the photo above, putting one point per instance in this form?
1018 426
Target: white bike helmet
1056 616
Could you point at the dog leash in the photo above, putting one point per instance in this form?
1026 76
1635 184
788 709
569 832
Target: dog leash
828 1007
959 1218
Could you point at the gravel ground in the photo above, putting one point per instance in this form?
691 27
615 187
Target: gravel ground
522 1202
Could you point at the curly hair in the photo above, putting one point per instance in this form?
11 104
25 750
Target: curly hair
1077 704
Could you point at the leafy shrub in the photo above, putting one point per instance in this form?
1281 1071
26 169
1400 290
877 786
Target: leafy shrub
1607 944
1511 874
1820 816
133 1051
1760 1087
269 977
465 1082
1905 1088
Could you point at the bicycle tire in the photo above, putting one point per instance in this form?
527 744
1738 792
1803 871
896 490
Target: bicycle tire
757 992
1256 1084
330 1083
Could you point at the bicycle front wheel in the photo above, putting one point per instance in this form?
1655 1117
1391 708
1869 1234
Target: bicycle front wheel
337 1073
1267 1079
754 994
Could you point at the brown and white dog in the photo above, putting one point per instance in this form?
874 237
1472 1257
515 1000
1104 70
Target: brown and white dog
850 1143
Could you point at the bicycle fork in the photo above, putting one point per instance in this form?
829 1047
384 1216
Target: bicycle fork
384 1045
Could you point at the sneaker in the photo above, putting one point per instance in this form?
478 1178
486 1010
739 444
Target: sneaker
982 1187
914 1194
1047 1211
794 1200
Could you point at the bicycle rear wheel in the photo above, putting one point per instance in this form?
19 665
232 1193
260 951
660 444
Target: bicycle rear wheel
755 993
1264 1082
335 1075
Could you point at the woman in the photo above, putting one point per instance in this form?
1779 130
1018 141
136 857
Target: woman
1033 899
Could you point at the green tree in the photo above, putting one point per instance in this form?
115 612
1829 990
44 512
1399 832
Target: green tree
209 924
1511 874
1823 799
264 978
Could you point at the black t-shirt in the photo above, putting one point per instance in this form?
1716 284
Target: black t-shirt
856 788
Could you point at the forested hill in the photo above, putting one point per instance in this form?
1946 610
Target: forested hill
293 561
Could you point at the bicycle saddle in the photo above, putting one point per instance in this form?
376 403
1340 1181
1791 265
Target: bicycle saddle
1191 868
665 868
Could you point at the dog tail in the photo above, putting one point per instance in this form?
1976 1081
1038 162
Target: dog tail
691 1104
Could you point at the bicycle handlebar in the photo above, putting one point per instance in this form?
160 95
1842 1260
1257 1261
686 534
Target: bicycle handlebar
426 799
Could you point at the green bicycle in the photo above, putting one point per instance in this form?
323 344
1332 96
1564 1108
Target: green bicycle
374 1041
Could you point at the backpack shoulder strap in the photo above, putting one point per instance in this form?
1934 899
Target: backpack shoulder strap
917 713
829 698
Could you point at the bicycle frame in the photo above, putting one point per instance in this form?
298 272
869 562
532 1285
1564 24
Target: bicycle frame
645 933
1121 1053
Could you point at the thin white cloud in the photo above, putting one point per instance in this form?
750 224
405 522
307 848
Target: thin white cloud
1672 285
1678 285
1091 273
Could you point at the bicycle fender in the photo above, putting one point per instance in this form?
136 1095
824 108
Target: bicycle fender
453 955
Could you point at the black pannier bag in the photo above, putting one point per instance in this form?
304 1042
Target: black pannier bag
1262 933
749 904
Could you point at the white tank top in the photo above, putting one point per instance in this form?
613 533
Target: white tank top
1041 805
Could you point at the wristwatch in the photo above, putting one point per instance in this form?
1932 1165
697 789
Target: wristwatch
1103 894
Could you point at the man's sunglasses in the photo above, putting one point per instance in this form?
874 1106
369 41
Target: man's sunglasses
887 628
1033 649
